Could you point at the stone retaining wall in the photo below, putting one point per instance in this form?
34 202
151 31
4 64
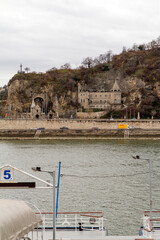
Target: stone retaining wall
76 124
79 133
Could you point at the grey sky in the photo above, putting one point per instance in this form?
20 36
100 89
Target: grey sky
42 34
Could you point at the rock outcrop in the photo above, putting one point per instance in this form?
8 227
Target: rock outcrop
138 74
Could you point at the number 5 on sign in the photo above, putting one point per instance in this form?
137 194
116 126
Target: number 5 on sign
7 175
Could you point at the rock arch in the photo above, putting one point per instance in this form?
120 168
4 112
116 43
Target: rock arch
39 101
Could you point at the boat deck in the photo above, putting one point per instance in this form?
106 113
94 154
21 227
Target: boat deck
63 234
82 235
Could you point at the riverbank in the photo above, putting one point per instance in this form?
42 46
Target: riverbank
78 128
79 134
76 124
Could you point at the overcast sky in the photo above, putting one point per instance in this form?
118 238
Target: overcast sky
41 34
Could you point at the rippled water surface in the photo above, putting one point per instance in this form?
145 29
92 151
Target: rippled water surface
98 175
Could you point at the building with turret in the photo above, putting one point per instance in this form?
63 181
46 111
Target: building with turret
106 100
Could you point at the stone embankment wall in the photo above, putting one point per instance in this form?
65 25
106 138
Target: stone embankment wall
15 124
79 133
102 129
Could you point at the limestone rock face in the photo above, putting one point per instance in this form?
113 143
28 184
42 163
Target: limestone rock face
21 96
60 94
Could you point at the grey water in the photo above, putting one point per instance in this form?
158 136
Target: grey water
98 175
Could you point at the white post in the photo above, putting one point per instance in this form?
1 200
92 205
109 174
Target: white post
54 212
150 186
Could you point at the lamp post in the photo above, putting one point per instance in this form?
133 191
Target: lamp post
126 107
38 169
150 182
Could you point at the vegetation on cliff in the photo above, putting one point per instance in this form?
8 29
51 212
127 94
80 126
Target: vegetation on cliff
141 62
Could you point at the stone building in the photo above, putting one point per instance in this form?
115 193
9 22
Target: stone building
106 100
37 111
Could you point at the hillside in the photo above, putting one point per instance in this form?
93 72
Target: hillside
137 70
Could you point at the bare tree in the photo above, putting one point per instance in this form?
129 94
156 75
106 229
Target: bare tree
135 47
88 62
66 66
109 56
158 40
53 69
103 58
27 69
153 44
96 62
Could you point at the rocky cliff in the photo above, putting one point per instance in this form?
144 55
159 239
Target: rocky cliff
137 71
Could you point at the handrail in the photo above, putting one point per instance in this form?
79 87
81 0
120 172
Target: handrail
85 215
80 213
73 219
146 213
155 219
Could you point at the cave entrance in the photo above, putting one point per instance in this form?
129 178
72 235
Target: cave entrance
50 116
40 102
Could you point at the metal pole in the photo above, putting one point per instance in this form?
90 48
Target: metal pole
150 182
58 188
54 212
150 186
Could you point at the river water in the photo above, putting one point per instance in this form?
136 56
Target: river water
99 175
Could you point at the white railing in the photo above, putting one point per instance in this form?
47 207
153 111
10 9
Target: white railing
74 220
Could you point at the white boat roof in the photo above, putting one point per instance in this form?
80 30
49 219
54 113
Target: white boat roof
16 219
